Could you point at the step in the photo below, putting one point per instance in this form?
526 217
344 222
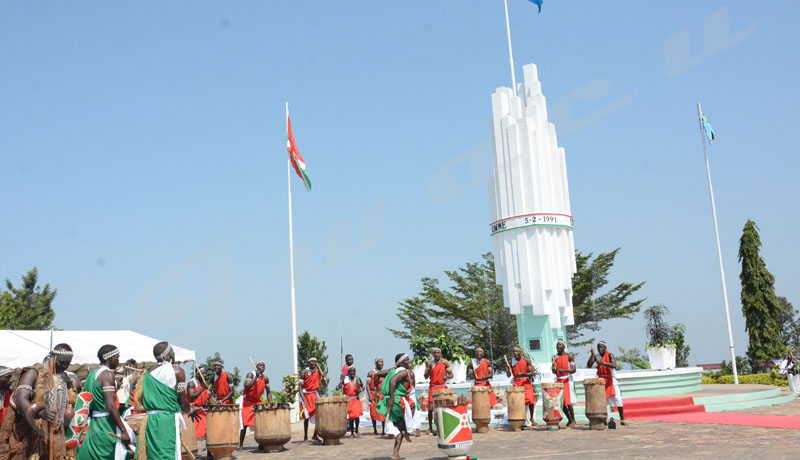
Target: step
739 405
642 403
643 413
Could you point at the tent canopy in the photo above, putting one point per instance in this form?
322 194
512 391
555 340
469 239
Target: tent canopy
23 348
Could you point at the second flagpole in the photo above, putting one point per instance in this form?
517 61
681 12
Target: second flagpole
291 253
510 55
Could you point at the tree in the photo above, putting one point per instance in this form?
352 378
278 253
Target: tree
310 347
634 357
760 305
470 313
589 308
788 324
29 306
742 367
209 364
681 349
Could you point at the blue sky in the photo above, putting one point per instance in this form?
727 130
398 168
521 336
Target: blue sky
143 161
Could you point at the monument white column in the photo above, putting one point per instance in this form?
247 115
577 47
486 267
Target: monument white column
531 222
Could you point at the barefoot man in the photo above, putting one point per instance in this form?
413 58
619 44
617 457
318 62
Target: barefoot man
254 386
563 368
198 396
438 372
310 380
481 370
375 396
396 405
607 370
522 370
352 386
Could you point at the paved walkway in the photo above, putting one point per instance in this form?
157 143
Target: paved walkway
641 439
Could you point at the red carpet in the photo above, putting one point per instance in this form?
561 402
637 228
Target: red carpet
645 408
727 418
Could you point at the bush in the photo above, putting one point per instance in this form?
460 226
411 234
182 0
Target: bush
772 378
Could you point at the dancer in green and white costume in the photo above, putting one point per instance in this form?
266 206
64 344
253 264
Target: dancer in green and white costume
396 406
100 382
163 397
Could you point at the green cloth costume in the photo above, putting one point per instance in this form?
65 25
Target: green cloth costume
160 435
397 408
97 445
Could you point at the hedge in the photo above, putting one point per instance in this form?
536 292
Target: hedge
761 379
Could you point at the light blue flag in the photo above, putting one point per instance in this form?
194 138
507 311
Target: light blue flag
707 128
538 3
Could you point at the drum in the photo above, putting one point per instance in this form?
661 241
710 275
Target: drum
273 426
453 432
222 430
441 396
135 422
516 407
552 400
188 439
481 410
332 418
596 407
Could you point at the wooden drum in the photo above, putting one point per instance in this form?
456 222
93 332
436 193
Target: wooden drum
332 418
135 422
222 430
516 407
596 409
188 439
481 408
273 426
552 399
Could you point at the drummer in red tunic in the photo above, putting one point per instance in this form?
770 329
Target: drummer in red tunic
254 386
310 380
523 370
563 368
607 370
5 390
223 384
481 370
352 386
439 373
374 382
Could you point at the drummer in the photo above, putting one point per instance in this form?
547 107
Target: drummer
522 369
223 384
563 368
439 372
254 386
198 396
374 386
310 380
352 386
480 369
5 390
607 370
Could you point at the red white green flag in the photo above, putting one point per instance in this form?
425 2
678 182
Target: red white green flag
294 154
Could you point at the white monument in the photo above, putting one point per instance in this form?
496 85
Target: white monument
531 222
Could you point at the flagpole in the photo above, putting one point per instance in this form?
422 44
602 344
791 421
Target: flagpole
291 253
510 55
719 250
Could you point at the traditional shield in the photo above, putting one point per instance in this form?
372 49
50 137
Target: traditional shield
77 427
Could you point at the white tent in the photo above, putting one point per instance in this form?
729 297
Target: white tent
23 348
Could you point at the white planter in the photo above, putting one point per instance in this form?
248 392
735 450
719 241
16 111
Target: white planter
794 383
661 358
419 374
459 369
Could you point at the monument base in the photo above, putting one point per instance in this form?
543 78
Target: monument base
537 337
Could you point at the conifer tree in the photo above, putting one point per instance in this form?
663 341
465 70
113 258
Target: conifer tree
760 305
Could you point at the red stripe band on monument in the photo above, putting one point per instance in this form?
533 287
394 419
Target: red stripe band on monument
539 219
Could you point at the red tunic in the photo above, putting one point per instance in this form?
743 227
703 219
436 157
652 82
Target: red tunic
438 379
222 388
373 413
352 389
251 398
482 378
309 390
200 401
524 381
6 394
562 362
604 372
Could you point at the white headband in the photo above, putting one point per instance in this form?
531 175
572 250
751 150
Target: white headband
376 360
561 341
6 371
312 359
601 343
165 353
402 358
111 353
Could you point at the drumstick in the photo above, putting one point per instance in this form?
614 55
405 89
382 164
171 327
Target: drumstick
133 369
114 435
200 374
254 364
507 363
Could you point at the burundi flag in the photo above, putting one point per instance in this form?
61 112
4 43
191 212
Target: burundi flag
538 3
294 154
707 128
